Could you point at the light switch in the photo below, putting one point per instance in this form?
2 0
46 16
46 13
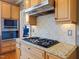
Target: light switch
69 32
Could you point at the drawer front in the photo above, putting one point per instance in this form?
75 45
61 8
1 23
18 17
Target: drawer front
33 50
5 49
5 44
13 47
50 56
37 52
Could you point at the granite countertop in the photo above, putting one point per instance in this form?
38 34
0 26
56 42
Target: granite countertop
62 50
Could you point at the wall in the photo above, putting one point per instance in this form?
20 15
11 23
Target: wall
48 28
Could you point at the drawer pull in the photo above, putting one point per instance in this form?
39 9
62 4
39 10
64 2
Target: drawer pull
28 48
28 58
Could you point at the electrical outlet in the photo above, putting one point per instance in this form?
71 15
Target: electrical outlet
69 32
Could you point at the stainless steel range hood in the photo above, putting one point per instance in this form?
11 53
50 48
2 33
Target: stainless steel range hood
45 7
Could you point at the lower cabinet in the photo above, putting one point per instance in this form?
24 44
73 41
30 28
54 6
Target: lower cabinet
50 56
29 52
18 52
7 46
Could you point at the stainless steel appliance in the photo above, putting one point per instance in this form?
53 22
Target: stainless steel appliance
42 8
6 35
7 24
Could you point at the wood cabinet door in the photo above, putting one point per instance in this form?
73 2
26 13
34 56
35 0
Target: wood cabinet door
0 17
6 10
32 20
62 9
15 12
49 56
18 53
5 49
42 0
34 2
27 4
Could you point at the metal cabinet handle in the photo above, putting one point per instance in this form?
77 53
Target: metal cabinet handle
28 48
56 18
28 58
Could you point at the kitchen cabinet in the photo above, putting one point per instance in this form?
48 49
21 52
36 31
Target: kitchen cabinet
6 12
7 46
0 12
10 11
29 52
15 12
49 56
18 53
42 0
65 10
32 20
0 18
27 4
34 2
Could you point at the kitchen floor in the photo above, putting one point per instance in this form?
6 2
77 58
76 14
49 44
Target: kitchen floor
10 55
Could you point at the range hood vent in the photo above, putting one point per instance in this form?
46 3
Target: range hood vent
43 8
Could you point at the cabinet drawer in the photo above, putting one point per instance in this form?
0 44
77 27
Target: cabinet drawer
50 56
13 47
34 51
13 43
5 49
5 44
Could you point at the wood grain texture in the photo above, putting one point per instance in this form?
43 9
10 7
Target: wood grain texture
15 12
65 10
11 55
6 12
32 20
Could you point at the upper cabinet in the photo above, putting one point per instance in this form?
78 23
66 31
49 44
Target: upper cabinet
65 10
35 2
10 11
6 12
30 3
15 12
32 20
27 4
0 17
0 9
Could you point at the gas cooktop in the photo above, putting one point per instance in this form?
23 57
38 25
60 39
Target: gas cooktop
44 42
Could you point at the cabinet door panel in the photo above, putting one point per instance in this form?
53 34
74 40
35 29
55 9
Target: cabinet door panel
18 53
49 56
34 2
15 12
23 53
62 9
0 18
0 13
32 20
27 3
6 13
5 49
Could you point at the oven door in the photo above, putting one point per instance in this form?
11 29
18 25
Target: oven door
9 35
9 24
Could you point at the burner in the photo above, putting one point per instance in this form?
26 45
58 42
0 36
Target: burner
41 42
